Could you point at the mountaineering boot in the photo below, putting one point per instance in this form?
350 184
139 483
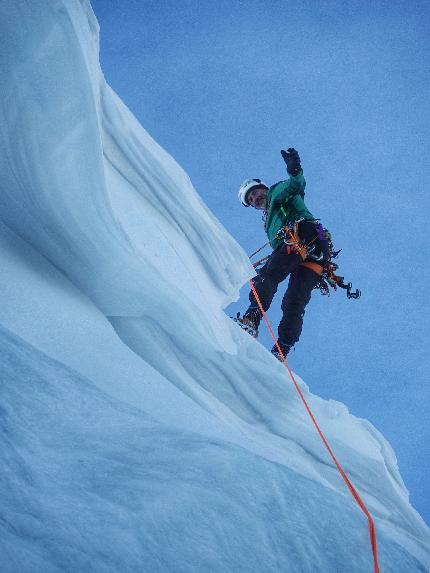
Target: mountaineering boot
285 350
250 321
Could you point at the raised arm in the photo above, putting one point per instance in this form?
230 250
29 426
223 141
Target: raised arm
292 161
295 184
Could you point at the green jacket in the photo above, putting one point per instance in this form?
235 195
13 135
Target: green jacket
285 204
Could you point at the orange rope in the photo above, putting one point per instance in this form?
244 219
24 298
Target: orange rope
354 493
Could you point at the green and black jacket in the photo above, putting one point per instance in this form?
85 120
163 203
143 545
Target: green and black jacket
285 204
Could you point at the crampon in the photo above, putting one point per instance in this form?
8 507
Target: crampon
247 324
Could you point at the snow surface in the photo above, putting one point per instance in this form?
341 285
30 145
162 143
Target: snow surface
142 430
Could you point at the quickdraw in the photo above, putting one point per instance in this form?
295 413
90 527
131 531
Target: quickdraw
329 278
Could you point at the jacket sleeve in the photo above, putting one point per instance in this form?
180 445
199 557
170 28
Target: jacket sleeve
286 189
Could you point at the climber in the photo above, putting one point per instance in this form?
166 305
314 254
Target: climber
300 251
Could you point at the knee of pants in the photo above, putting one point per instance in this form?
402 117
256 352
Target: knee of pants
296 300
300 288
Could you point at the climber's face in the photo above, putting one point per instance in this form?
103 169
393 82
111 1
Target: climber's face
257 197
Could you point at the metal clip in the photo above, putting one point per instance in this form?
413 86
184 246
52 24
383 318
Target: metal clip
349 294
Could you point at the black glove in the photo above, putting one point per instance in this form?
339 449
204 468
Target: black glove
292 160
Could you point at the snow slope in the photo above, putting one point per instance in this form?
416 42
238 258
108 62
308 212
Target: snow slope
141 429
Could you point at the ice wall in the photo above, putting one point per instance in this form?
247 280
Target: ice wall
141 428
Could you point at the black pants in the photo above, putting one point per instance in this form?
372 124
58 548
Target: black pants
302 281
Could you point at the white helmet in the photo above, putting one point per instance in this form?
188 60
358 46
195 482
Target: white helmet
246 186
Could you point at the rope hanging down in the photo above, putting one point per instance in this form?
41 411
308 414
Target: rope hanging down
354 493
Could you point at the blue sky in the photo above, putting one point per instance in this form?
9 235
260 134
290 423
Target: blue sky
224 85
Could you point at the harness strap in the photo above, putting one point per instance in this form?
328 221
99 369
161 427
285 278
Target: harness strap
315 267
294 243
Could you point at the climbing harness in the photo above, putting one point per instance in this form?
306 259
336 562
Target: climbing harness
290 235
325 268
353 491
